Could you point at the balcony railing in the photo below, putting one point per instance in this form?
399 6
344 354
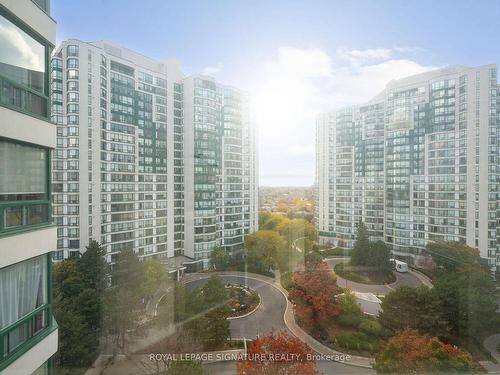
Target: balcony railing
24 215
21 336
23 99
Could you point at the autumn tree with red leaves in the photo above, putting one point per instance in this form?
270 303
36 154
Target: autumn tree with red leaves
313 293
410 352
278 354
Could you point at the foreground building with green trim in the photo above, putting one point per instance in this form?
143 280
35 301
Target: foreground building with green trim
418 163
28 331
147 158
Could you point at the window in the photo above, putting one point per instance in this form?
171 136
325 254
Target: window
23 178
73 97
72 63
23 289
72 50
72 86
23 64
72 74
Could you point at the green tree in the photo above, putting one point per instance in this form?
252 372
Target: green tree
155 276
468 301
417 308
78 310
360 252
378 256
270 220
293 229
262 249
465 289
214 292
220 259
122 302
77 346
94 267
453 256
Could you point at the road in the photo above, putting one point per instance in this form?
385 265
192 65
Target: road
267 318
402 279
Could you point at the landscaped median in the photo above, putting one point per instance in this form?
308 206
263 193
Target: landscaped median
243 301
363 275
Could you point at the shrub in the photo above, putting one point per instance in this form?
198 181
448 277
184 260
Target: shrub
286 280
350 320
336 251
357 341
371 327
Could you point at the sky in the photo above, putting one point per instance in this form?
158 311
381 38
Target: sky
294 58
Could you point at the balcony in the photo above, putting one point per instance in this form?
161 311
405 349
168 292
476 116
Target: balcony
18 338
22 99
23 216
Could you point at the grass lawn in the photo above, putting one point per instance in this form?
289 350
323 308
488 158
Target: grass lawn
361 275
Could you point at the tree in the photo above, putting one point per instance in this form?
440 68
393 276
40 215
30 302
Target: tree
214 292
77 347
465 289
270 220
410 352
291 230
417 308
262 249
453 256
94 267
212 327
128 272
468 301
155 275
313 293
280 344
220 259
76 309
378 258
122 302
349 304
360 252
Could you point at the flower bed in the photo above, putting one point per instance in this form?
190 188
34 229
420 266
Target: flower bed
242 300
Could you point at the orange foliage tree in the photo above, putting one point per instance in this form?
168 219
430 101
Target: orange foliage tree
313 293
278 354
410 352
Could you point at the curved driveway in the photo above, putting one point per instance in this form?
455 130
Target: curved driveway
268 317
402 279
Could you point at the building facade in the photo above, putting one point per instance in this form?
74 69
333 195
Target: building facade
28 331
418 163
140 155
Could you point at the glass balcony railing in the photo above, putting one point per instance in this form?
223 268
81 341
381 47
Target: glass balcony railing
17 338
23 215
23 99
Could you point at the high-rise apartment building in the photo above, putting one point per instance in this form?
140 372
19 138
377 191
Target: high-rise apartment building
220 168
418 163
142 156
28 331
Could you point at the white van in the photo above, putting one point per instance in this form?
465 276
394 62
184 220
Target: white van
400 266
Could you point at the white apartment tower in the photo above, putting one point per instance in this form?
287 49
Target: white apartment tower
140 156
418 163
220 175
28 331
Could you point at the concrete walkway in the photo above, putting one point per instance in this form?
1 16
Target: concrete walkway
490 344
